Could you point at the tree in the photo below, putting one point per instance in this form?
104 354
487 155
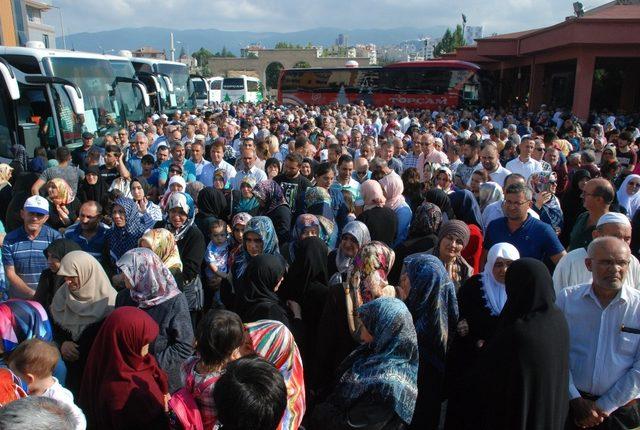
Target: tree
272 73
287 45
450 42
202 56
252 55
224 53
301 65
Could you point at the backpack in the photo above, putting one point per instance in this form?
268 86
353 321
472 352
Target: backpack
184 413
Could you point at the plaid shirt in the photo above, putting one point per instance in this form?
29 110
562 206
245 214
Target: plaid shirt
26 255
410 160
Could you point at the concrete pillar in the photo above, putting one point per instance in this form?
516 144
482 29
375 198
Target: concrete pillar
536 90
585 66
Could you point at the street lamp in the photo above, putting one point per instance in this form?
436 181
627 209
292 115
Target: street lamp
64 39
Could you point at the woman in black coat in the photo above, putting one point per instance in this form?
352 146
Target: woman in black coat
274 205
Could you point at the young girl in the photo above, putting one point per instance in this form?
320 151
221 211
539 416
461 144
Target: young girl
219 337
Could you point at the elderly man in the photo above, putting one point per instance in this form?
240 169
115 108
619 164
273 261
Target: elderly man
571 269
178 157
597 196
248 157
141 145
604 353
524 164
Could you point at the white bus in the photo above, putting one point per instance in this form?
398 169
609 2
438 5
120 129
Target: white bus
242 89
131 91
168 81
215 89
59 95
201 90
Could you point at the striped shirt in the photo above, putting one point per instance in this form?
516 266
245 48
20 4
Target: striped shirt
27 256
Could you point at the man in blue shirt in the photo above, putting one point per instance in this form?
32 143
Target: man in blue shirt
88 231
140 145
533 238
178 157
23 249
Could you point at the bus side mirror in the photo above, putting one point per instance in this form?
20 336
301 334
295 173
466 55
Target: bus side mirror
77 101
145 94
11 82
169 83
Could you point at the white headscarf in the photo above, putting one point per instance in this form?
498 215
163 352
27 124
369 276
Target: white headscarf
629 202
495 295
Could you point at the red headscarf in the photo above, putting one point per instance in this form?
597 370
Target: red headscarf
120 387
473 251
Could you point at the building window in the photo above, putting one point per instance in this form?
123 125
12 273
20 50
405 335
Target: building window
45 39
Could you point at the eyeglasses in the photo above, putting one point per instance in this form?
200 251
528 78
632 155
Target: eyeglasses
514 204
540 149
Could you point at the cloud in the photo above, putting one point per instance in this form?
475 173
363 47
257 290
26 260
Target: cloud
293 15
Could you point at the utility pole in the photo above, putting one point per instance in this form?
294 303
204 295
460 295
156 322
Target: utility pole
173 49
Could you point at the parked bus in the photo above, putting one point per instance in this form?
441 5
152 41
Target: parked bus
242 89
59 95
169 83
131 91
431 84
201 90
215 89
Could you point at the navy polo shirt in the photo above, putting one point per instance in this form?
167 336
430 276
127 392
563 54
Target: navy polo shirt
534 238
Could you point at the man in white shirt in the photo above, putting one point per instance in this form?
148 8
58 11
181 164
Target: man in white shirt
571 269
604 335
490 162
217 163
524 164
197 155
248 157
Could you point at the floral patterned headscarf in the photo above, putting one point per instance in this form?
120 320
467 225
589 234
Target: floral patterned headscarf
163 244
369 269
65 193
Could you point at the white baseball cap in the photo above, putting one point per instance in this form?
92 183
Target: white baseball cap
37 204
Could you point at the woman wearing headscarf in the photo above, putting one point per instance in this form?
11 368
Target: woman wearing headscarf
123 386
480 300
521 377
354 236
465 207
6 190
256 293
21 320
127 229
381 221
546 204
392 187
628 195
440 199
423 235
63 204
571 203
212 205
452 239
272 341
151 288
162 242
274 205
318 203
50 281
238 224
176 184
377 386
431 298
244 200
140 188
78 309
191 247
92 186
339 328
490 192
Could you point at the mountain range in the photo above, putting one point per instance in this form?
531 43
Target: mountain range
214 40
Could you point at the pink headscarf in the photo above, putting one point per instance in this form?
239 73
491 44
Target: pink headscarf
372 194
393 188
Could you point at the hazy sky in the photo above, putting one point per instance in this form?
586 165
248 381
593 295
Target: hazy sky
497 16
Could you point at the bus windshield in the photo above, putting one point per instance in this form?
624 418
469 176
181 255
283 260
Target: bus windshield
233 84
179 74
200 88
131 99
95 78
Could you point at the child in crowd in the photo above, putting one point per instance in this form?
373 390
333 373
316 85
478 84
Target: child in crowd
219 338
33 361
351 207
217 254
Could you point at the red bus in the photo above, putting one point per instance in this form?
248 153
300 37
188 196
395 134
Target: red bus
433 84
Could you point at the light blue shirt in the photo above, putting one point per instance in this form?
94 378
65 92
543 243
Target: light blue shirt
603 360
208 171
254 173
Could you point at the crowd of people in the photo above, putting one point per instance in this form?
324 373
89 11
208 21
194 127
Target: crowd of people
261 267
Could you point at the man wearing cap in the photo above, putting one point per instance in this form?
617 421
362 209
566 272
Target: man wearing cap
23 249
571 269
79 155
178 157
197 155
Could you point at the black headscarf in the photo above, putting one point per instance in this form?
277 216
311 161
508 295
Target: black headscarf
256 298
440 199
465 207
571 203
96 192
61 247
308 273
212 203
521 378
